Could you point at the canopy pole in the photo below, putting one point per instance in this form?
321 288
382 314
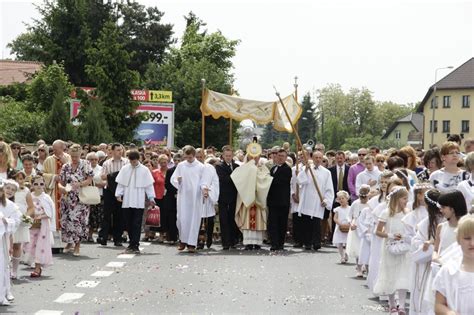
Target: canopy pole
230 131
203 117
300 144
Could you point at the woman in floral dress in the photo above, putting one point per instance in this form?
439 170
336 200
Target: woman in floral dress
74 214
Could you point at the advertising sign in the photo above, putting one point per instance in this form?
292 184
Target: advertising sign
158 129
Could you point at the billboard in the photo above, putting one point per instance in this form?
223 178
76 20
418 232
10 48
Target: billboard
158 129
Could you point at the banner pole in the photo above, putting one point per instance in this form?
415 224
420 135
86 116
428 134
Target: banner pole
300 144
203 117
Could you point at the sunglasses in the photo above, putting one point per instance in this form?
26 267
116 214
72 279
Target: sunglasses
362 154
38 184
380 161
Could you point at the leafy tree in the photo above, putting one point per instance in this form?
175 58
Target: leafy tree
144 34
17 122
108 69
93 127
67 29
201 55
50 81
16 91
56 123
307 123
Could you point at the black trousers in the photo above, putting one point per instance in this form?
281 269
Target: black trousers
113 218
209 229
133 219
311 231
277 225
229 229
297 229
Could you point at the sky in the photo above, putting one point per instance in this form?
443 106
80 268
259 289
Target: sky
391 47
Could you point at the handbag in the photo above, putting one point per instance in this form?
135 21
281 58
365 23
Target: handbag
420 257
153 217
36 224
344 228
89 195
397 247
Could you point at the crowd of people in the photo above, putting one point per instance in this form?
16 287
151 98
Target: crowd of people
400 215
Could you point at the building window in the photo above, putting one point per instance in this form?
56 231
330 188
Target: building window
398 134
433 101
446 101
435 126
465 126
446 125
466 101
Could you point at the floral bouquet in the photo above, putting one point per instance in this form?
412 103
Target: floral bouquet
26 220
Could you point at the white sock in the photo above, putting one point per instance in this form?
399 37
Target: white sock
15 264
402 295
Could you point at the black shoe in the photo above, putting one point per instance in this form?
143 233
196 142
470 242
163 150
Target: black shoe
124 239
281 248
200 246
136 251
208 244
102 242
225 248
118 244
248 247
316 247
272 249
257 247
298 245
307 247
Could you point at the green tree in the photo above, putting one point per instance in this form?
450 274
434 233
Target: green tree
56 123
144 34
18 123
108 69
67 29
201 55
93 127
50 81
307 123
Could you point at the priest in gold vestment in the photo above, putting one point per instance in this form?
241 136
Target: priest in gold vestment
252 181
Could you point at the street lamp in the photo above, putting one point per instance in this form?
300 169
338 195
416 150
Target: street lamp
435 103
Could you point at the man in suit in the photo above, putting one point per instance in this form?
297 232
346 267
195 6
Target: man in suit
278 200
227 199
339 174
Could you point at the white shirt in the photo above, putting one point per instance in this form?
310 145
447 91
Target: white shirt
365 176
134 197
444 181
310 203
467 189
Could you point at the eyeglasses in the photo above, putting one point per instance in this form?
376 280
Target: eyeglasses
38 184
453 153
362 154
41 150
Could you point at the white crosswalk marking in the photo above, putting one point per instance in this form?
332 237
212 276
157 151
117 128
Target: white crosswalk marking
102 273
87 284
115 264
68 297
126 256
48 312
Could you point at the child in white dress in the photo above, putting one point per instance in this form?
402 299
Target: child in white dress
377 203
341 218
364 224
454 283
419 212
353 239
22 235
9 221
394 269
422 246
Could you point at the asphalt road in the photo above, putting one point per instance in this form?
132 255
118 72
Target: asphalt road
163 280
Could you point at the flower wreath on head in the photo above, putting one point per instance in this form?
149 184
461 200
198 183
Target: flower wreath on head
423 185
393 192
431 201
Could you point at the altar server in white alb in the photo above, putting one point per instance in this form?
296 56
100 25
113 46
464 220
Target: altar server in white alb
9 222
187 180
209 182
311 207
134 184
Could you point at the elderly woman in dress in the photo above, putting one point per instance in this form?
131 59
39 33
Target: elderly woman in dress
74 214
